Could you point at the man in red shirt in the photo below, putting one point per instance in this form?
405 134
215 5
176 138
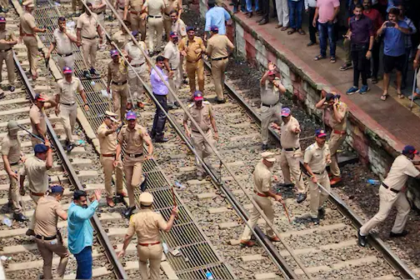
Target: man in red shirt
377 21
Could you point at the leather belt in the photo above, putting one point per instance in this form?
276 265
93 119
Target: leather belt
37 194
341 132
46 238
134 12
267 105
167 14
65 54
189 61
119 83
5 50
13 164
108 155
260 194
291 149
100 13
123 8
319 173
149 244
89 38
155 16
391 189
219 58
30 35
68 104
137 65
173 69
134 155
196 131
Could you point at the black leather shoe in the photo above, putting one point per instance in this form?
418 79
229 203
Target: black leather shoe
396 235
19 217
362 240
264 147
301 197
161 140
93 72
30 232
70 147
12 88
315 221
128 212
220 101
87 75
249 15
264 21
310 44
321 213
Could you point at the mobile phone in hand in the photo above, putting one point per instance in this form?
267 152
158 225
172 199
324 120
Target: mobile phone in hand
390 24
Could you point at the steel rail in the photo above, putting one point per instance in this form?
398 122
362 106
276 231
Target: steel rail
100 232
376 241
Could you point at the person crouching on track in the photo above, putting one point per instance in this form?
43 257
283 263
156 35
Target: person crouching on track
392 192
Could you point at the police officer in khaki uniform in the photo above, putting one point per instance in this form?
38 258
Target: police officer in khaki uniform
316 158
173 66
155 9
66 103
218 48
138 16
177 24
107 134
192 48
336 112
147 224
120 6
121 38
117 82
171 6
202 113
28 32
133 136
139 66
62 42
87 30
291 152
76 7
12 156
99 8
392 193
7 41
37 117
36 168
262 191
47 236
271 89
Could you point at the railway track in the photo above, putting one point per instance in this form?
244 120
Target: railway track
219 205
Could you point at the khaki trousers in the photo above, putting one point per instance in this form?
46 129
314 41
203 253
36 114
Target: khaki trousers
10 66
47 248
318 195
89 48
267 206
67 61
35 198
76 4
68 116
32 46
267 114
218 69
175 84
101 19
119 99
153 254
107 164
334 144
203 149
138 24
193 69
136 86
289 162
133 171
14 195
387 199
155 34
167 25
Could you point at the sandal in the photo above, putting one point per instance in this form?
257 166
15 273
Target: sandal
290 32
319 57
284 28
301 32
401 96
384 97
333 60
279 26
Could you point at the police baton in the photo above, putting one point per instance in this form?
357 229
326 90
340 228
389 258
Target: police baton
30 133
285 210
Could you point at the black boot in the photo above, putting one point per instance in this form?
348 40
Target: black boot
19 217
128 212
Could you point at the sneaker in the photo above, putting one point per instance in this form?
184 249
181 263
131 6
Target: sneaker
362 240
346 66
301 197
396 235
352 90
315 220
363 89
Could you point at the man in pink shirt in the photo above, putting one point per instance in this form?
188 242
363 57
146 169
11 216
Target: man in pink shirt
326 13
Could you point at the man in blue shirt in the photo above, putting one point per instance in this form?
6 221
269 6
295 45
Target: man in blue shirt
80 231
216 16
160 91
394 32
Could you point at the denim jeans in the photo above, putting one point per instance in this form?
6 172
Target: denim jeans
160 117
84 263
326 30
295 14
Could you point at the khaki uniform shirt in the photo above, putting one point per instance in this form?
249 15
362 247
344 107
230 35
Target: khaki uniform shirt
270 94
401 169
342 107
119 72
68 90
88 25
37 117
288 138
262 178
201 116
218 45
120 39
11 148
8 36
146 224
133 138
46 214
27 22
135 53
36 171
135 5
155 7
316 157
190 46
62 42
171 52
108 143
179 27
97 3
121 4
